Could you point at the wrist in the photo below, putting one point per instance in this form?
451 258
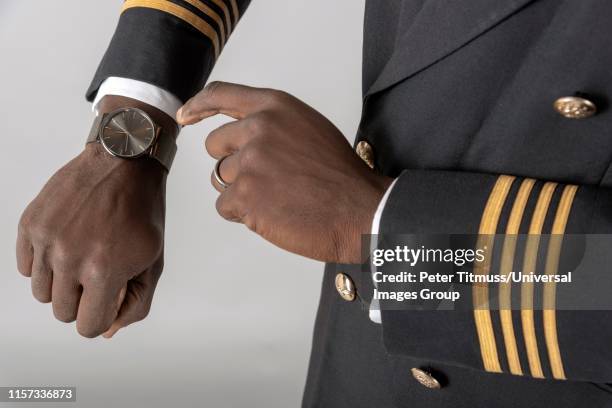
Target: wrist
96 158
361 223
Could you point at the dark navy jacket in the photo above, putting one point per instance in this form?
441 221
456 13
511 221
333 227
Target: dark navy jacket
458 103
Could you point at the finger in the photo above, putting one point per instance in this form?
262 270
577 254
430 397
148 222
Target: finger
98 309
65 296
228 172
229 206
237 101
137 300
25 254
135 307
227 139
42 279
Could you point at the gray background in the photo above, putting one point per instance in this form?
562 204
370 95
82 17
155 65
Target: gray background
200 346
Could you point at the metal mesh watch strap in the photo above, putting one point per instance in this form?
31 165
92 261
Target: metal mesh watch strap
95 129
164 149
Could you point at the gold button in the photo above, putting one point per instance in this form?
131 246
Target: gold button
345 287
575 107
365 152
425 379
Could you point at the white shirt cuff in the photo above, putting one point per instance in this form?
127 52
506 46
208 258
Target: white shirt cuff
374 311
142 91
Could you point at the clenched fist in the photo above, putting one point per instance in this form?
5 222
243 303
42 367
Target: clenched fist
92 240
293 178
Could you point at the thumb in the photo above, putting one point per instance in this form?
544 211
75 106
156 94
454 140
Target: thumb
234 100
137 299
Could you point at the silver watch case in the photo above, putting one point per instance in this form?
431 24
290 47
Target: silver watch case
163 149
149 142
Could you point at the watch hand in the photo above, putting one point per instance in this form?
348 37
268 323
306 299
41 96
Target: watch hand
124 130
114 120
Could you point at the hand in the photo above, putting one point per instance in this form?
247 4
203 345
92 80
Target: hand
92 240
294 178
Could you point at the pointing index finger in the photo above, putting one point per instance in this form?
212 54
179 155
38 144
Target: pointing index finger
234 100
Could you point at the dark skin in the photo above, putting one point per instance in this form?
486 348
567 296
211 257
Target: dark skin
92 240
294 178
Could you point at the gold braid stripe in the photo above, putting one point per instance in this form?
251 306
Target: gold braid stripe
236 12
179 12
228 18
212 14
529 265
550 289
506 266
480 291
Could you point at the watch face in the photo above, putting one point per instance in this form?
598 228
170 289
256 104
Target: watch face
127 133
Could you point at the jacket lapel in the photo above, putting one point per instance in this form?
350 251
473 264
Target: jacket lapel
440 27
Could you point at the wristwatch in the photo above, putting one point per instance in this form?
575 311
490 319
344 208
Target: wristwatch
130 133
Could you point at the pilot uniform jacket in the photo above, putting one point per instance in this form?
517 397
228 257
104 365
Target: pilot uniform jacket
494 117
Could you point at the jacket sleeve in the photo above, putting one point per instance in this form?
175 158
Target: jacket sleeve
172 44
544 343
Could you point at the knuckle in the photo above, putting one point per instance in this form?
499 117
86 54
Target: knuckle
262 127
265 139
257 124
62 254
40 231
194 104
103 256
96 275
252 155
244 187
265 116
212 88
277 96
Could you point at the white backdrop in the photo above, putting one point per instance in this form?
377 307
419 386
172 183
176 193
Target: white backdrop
200 346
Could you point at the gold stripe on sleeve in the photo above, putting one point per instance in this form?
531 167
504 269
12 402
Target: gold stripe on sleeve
529 265
506 266
236 11
550 288
179 12
480 291
228 18
212 14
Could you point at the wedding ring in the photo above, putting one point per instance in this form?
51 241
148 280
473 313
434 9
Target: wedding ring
217 174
